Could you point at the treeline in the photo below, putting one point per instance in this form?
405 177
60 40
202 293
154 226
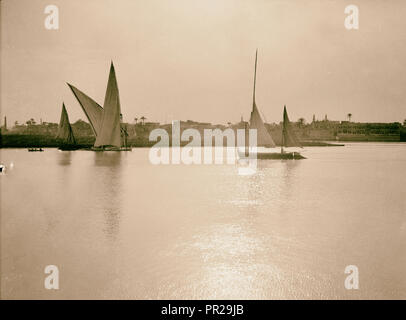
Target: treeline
43 135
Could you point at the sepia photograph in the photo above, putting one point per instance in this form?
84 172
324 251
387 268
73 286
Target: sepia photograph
202 150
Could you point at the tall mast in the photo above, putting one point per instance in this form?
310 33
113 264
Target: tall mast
255 76
283 128
263 136
246 139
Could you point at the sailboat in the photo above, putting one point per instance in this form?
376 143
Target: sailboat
264 138
289 139
65 133
105 121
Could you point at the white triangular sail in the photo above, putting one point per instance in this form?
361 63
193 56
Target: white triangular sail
65 133
289 138
110 131
92 110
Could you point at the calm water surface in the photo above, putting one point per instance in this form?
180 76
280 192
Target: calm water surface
120 227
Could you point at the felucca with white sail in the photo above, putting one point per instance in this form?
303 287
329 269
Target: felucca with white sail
65 133
264 138
105 121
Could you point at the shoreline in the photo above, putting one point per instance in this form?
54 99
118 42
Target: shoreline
55 144
87 142
309 144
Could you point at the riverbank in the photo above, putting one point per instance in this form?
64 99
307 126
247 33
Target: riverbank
316 134
44 141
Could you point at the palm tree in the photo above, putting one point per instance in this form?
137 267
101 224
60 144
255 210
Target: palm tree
135 119
143 119
301 122
349 115
229 124
30 122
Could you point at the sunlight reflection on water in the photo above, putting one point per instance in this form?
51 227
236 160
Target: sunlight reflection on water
119 227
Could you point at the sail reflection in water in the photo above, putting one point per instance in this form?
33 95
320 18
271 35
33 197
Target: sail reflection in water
110 168
65 158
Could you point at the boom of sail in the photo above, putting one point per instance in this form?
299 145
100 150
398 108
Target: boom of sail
264 138
65 133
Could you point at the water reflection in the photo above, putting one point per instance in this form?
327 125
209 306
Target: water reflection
288 177
64 158
236 253
109 177
64 180
271 183
204 232
229 269
108 158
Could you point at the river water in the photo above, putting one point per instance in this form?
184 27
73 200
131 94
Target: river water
117 226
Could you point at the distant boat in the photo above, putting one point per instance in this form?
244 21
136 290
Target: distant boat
105 121
35 150
65 133
264 138
289 139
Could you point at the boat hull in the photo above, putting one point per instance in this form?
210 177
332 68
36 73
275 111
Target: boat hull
276 156
68 148
110 149
280 156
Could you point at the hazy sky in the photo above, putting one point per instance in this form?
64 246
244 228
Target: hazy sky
193 59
